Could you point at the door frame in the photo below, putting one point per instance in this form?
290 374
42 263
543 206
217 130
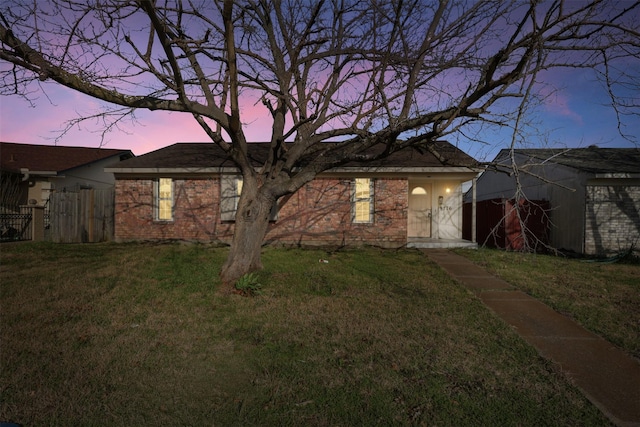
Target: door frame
412 231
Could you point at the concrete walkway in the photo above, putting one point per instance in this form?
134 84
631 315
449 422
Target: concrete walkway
607 376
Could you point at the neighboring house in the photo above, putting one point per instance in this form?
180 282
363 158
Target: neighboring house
593 194
189 191
31 172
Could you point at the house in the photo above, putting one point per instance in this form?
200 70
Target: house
189 191
593 194
31 172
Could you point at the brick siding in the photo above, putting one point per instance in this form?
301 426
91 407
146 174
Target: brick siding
196 213
612 219
317 214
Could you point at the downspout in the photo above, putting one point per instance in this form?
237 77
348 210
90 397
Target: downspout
473 210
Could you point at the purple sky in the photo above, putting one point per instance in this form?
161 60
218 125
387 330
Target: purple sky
575 116
42 123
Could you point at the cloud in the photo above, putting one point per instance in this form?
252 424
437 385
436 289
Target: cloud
557 103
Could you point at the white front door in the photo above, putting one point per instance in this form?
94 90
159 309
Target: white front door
419 218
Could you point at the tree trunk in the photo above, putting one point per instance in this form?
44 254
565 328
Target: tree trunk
252 221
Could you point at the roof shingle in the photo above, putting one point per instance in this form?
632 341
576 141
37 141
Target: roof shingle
14 156
591 159
208 155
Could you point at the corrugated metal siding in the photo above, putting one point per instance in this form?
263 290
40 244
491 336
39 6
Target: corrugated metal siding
567 214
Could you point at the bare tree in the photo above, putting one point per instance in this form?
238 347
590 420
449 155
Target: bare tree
10 192
362 72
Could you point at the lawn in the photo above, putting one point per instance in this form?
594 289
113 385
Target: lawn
604 298
137 334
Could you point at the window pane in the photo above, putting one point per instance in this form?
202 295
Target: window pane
229 197
419 191
164 199
239 186
362 200
165 188
362 211
239 183
164 210
362 188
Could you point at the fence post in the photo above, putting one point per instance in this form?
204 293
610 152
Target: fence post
37 223
37 213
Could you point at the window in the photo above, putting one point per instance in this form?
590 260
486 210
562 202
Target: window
163 195
418 191
230 190
239 182
363 200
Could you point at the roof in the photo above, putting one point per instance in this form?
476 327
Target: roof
591 159
207 156
52 158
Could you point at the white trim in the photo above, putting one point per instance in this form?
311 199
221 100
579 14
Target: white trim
157 199
370 199
342 170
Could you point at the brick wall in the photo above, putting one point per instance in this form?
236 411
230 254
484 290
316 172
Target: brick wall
196 213
320 213
317 214
612 219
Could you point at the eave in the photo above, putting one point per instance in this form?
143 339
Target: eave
359 170
26 174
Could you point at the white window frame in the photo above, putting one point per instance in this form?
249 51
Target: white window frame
356 200
158 200
229 196
230 190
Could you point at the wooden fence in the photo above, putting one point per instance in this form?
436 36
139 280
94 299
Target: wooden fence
85 216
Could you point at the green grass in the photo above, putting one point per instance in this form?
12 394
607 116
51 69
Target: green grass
137 334
604 298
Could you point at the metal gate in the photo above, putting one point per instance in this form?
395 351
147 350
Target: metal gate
16 226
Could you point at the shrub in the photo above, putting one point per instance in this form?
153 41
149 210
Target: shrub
249 285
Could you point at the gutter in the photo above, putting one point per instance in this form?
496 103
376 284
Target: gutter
233 170
27 174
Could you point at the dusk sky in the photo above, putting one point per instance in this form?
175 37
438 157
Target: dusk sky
576 116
